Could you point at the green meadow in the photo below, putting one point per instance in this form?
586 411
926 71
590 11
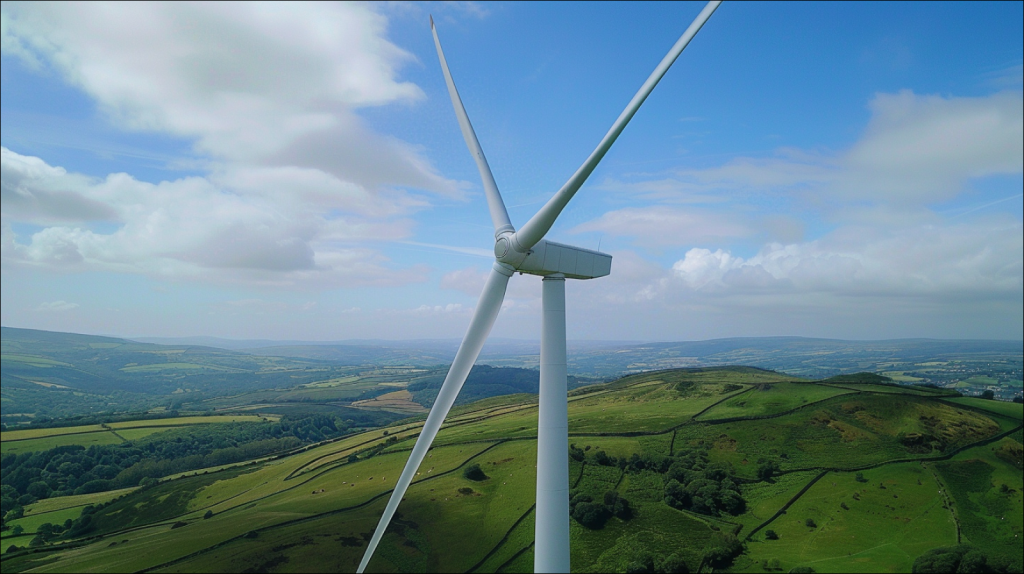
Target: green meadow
31 440
883 476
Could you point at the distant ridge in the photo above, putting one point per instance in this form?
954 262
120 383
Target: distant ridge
802 356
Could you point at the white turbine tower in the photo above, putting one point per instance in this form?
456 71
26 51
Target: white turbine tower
526 251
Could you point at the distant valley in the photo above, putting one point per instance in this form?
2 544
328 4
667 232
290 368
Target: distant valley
735 455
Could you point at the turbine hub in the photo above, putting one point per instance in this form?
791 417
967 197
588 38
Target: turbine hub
501 247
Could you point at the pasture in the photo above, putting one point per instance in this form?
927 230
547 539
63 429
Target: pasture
879 525
31 440
1012 410
313 509
770 399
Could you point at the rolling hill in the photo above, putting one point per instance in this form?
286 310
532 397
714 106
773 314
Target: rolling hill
729 469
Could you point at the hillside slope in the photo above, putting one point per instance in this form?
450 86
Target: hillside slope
690 467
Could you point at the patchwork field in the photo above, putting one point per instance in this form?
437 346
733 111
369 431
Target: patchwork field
859 479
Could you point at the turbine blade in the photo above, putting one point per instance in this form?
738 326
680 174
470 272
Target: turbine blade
483 319
538 225
499 215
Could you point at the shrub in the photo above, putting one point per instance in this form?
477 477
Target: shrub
937 560
770 535
641 565
674 564
474 472
810 523
766 470
724 547
209 514
591 515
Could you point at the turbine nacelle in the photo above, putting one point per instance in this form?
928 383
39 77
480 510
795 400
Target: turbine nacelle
548 258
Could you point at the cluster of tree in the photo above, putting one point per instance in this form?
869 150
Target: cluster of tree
47 532
691 482
722 549
373 450
65 470
644 564
962 558
591 514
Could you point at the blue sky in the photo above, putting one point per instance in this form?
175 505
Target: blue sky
296 171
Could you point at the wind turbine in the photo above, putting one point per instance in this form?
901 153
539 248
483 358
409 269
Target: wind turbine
526 251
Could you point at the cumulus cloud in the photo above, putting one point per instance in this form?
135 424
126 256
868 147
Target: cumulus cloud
885 240
251 82
964 260
297 182
241 226
32 191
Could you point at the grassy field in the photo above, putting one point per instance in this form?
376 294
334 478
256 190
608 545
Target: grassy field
13 435
991 518
314 509
33 360
31 440
878 530
772 399
1012 410
78 500
83 439
853 431
764 499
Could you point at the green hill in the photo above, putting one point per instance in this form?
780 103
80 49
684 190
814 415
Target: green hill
733 469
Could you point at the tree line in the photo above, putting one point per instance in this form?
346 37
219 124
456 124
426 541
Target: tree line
66 470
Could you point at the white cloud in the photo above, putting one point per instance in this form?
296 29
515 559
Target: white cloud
922 149
31 190
253 228
56 306
916 151
936 262
455 308
297 181
271 84
885 240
